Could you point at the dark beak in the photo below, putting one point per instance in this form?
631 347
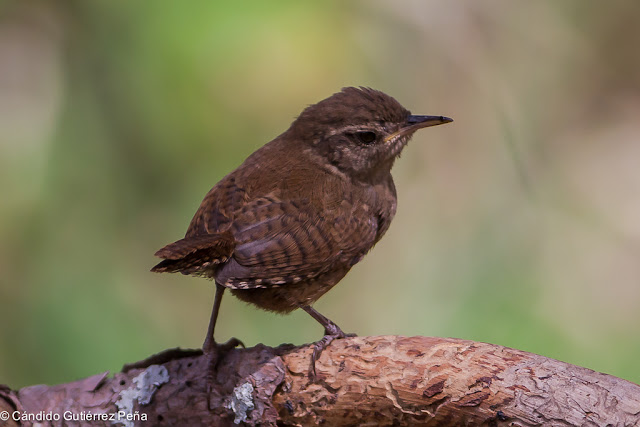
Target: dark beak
418 122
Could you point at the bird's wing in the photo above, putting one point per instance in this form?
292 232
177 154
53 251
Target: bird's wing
279 242
216 211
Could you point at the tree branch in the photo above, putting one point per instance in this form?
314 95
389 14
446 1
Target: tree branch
387 380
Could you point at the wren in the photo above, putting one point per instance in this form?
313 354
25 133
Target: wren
289 223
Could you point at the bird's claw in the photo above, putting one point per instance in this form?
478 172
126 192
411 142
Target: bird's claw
319 346
214 353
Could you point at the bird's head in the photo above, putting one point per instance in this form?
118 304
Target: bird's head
359 131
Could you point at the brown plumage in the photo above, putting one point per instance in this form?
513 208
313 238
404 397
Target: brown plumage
288 224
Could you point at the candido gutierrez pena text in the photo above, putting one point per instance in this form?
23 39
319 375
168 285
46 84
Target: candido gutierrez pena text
120 416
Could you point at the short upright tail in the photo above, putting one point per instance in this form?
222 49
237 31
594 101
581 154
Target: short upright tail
195 254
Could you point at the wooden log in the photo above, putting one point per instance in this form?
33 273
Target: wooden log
383 380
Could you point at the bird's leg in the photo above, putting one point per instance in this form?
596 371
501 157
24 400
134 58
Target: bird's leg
209 345
331 332
212 350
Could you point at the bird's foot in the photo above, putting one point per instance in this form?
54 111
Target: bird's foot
331 332
214 353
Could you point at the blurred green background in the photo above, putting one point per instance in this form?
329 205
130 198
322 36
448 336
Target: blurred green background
518 224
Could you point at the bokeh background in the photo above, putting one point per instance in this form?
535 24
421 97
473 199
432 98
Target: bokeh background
518 224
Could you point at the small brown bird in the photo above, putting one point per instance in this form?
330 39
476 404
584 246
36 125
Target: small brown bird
289 223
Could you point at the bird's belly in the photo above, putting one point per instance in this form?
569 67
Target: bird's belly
287 297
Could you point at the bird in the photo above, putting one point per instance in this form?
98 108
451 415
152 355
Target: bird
290 222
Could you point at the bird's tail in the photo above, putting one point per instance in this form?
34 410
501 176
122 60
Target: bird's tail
195 254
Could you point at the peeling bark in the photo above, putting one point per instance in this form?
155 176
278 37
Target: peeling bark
387 380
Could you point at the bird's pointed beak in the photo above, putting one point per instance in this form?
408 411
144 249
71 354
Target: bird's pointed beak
417 122
414 123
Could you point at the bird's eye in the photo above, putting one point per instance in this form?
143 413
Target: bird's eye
366 137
